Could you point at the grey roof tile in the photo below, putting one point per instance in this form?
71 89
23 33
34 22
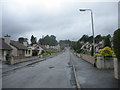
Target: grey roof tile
4 46
18 45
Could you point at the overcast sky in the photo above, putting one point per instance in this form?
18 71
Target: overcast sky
62 18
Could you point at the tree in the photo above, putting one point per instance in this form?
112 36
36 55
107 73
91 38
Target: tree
98 38
33 40
48 40
84 38
76 45
53 40
116 46
116 43
107 42
22 39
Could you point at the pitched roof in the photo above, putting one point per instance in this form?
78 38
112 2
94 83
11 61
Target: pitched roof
4 46
43 47
18 45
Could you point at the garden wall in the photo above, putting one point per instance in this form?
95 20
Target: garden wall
104 62
15 60
87 58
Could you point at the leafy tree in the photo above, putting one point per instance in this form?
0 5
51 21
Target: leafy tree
48 40
109 36
84 38
53 40
76 46
116 43
98 38
107 42
33 40
64 43
22 39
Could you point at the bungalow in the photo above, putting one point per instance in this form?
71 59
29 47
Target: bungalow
17 49
87 46
99 46
5 50
36 49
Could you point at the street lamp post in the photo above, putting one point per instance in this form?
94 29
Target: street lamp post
92 27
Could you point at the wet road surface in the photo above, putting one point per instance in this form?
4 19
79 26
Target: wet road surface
56 73
52 73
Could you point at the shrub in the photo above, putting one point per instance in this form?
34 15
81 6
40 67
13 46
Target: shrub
42 51
106 51
116 43
46 52
84 52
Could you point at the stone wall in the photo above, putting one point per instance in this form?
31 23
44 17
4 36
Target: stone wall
87 58
104 62
15 60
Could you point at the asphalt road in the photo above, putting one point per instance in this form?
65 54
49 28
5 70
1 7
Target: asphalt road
52 73
56 73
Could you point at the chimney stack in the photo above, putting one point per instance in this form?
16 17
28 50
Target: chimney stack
7 39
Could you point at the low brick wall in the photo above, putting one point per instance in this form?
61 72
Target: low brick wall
18 60
87 58
104 62
14 60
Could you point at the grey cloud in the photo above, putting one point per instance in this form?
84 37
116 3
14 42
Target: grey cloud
66 23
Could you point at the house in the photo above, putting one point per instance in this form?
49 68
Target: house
36 49
18 48
28 52
99 46
14 47
57 47
5 50
87 46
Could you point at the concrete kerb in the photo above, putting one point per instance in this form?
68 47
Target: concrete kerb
23 66
43 59
78 87
76 80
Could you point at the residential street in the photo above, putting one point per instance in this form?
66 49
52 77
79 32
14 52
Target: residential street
56 73
52 73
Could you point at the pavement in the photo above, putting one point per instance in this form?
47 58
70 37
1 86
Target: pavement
91 77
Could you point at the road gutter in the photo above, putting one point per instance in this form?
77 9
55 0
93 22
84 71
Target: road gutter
75 76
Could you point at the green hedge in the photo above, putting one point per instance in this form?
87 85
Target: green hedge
46 52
